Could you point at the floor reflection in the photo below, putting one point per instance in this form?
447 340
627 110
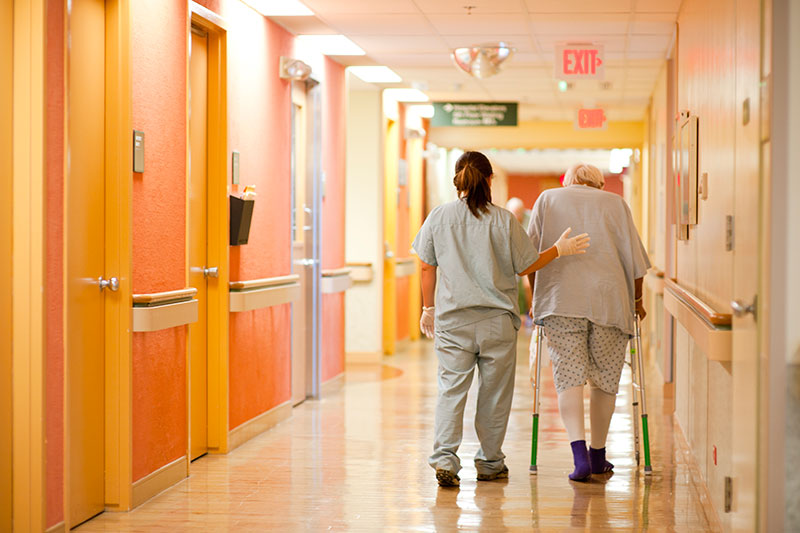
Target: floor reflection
357 461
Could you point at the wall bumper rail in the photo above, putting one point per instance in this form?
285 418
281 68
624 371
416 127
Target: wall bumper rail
405 267
266 292
360 271
163 310
709 329
336 280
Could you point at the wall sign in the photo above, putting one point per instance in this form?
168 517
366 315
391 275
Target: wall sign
591 119
462 114
580 61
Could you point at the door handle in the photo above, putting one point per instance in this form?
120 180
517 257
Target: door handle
212 272
111 284
740 308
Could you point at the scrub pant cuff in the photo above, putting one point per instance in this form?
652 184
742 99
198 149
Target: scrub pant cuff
489 467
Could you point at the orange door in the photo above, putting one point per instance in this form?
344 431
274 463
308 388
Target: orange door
85 242
197 242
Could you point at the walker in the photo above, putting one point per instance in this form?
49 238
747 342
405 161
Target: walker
637 385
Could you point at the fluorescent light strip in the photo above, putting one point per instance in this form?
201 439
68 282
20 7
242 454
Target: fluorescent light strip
331 45
375 74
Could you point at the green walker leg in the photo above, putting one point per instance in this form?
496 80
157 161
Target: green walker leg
536 390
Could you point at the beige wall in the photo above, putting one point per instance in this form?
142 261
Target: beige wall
363 220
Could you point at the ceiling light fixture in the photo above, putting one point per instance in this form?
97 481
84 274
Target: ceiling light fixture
280 8
482 61
405 95
331 45
375 74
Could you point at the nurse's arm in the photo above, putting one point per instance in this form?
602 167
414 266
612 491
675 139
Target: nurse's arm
428 281
544 259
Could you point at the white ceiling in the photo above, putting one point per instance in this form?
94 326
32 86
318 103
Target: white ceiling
546 161
415 37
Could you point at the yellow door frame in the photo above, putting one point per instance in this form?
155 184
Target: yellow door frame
27 266
391 161
6 191
217 220
118 257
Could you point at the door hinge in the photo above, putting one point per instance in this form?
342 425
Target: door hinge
728 494
729 243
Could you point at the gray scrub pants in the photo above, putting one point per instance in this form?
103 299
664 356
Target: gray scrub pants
491 344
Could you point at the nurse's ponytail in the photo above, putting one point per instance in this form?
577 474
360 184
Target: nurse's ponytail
473 171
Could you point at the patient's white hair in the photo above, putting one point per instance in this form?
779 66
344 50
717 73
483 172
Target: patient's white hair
583 174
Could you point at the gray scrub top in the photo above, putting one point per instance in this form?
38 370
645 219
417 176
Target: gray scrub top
477 259
597 285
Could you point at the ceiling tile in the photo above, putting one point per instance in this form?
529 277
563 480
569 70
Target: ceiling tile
506 24
407 44
579 6
649 43
413 60
660 23
361 6
572 25
522 43
479 7
304 25
380 24
658 6
611 43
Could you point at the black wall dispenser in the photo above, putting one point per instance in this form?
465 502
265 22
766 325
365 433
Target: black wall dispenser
241 215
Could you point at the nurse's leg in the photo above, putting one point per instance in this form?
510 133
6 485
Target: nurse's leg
567 339
455 350
607 353
497 341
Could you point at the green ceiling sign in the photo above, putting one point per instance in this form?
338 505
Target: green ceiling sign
468 114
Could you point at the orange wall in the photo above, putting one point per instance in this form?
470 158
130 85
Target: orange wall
528 187
159 229
333 163
54 243
259 128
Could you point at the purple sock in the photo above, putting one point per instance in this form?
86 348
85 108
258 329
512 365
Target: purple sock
581 459
598 460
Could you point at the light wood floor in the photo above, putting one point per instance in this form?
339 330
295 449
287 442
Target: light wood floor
357 461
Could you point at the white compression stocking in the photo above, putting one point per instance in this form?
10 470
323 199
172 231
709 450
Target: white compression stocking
600 411
570 404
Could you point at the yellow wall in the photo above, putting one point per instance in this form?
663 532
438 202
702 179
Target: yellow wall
540 135
391 157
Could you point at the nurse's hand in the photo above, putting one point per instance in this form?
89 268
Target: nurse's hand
571 246
640 310
426 321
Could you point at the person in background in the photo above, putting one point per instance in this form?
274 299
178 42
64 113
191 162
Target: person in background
517 208
587 305
478 249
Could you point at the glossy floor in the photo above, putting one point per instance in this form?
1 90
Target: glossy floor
356 461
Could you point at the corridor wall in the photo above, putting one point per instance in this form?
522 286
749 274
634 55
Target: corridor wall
259 128
364 223
159 399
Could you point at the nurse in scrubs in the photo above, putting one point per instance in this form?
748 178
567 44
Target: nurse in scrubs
478 250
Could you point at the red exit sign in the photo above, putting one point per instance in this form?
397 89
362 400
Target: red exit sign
579 61
591 119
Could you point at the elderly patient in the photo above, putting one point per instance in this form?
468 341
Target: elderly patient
586 304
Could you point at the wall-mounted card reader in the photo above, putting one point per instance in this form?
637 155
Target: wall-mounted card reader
138 151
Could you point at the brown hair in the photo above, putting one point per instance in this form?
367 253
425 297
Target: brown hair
473 171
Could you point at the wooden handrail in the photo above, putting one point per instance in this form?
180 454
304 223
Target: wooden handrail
163 298
697 305
332 272
262 283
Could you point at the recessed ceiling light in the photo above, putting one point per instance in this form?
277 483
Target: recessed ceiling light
375 74
331 45
406 95
423 110
280 8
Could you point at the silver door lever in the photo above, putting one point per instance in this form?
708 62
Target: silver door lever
212 272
